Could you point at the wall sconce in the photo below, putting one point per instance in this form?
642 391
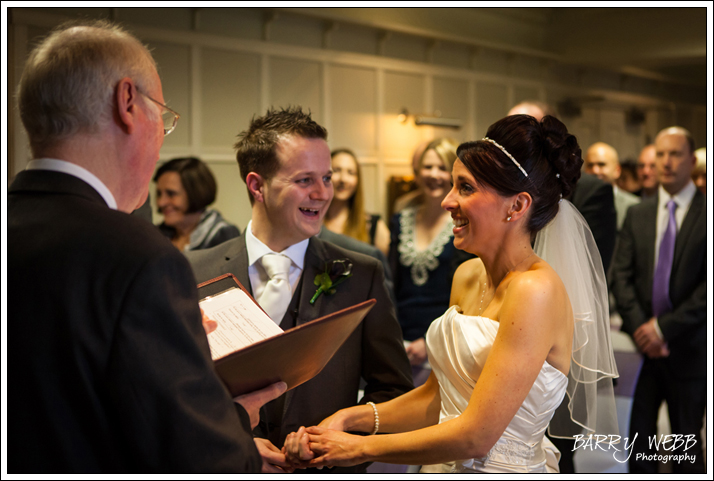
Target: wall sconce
403 116
435 121
438 122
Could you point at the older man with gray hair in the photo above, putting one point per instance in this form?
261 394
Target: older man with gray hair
109 369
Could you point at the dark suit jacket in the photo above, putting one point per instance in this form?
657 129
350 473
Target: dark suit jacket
109 369
362 247
595 200
685 327
374 351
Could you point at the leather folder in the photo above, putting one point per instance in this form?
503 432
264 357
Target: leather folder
294 356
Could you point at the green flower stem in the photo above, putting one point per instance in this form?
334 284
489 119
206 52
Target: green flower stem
317 294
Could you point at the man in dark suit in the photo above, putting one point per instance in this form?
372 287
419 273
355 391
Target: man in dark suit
659 281
595 201
109 369
285 162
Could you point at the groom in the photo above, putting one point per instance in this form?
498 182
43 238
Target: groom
285 162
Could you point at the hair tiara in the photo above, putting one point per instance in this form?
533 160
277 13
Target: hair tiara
506 152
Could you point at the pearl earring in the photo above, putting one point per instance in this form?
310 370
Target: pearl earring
508 219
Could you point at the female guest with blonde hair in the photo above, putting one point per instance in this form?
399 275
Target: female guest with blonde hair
346 214
422 255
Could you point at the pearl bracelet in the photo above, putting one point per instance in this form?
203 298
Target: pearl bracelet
376 417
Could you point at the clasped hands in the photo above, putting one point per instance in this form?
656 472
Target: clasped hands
315 447
648 340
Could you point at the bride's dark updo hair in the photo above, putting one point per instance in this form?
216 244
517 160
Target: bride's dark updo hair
545 150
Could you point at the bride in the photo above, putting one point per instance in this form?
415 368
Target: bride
526 325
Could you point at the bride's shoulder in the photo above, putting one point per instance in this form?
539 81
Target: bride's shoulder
469 272
540 278
539 288
467 275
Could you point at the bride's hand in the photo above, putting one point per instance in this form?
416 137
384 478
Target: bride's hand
336 422
296 449
335 448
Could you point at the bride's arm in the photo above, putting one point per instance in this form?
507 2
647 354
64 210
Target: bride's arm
532 312
412 410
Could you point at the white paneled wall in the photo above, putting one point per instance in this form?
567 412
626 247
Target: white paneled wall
220 67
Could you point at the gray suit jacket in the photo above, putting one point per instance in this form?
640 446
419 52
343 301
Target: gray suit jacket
623 201
373 352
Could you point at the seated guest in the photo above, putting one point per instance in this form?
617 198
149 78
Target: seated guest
422 253
185 187
285 163
346 214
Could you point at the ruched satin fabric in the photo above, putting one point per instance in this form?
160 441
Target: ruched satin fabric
458 347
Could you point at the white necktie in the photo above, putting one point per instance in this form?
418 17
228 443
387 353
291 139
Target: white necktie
276 295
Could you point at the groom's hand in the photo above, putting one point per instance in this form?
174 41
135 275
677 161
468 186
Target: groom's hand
297 448
274 461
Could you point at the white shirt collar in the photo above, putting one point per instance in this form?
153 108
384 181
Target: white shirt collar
682 198
75 170
256 249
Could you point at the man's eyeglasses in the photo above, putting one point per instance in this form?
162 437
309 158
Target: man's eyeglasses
169 117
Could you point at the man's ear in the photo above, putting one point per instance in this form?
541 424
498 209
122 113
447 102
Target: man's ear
520 205
618 171
126 97
255 184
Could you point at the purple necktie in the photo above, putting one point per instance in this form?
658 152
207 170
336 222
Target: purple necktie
663 270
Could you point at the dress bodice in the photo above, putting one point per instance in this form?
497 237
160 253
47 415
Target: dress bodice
458 347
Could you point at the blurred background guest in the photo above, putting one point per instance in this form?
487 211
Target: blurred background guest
185 187
699 175
628 180
411 197
660 283
647 172
534 108
594 199
346 214
422 253
602 161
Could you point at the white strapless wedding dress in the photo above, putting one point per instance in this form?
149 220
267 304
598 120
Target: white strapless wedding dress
458 346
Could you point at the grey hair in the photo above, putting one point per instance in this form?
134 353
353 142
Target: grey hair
70 77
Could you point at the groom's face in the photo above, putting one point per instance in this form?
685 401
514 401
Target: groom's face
298 195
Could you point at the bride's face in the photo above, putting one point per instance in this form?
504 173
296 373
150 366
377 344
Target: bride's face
477 211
